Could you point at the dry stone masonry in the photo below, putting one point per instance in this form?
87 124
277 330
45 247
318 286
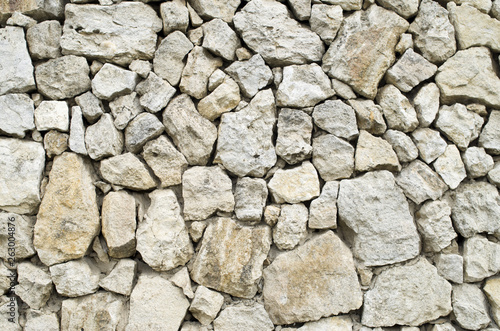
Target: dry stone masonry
249 165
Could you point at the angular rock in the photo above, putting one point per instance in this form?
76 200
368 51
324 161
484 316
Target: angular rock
182 280
325 20
372 206
459 125
323 210
492 291
267 28
336 118
21 168
451 267
236 273
193 134
140 130
124 109
301 9
123 32
75 278
401 144
19 19
113 81
76 140
128 171
434 224
316 279
477 162
206 305
338 323
241 317
410 70
252 75
369 116
121 278
35 284
434 35
271 214
490 136
141 67
429 143
396 296
23 234
291 227
250 197
216 79
294 135
469 76
223 99
168 62
295 185
119 223
55 143
494 175
245 145
36 321
374 153
398 112
155 93
480 258
343 90
426 104
420 183
405 9
364 49
347 5
91 106
303 86
333 157
17 116
103 139
167 163
9 308
68 219
206 190
175 16
450 167
16 69
209 9
469 307
220 39
52 115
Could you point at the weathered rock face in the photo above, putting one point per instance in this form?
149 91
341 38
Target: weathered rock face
75 278
251 75
294 135
295 185
419 182
113 81
434 223
336 118
469 307
17 116
35 285
478 263
23 228
68 219
450 167
253 318
236 273
168 61
333 157
410 70
128 171
44 40
103 139
369 116
374 153
325 20
215 9
295 290
140 130
490 136
224 98
250 197
398 112
206 304
291 227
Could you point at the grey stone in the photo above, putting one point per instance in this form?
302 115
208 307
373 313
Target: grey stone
209 9
426 104
333 157
9 307
90 105
128 171
124 109
450 267
140 130
35 284
323 210
477 162
491 289
55 143
224 98
220 39
434 224
294 135
336 118
103 139
241 317
347 5
252 75
76 278
155 93
23 234
369 116
420 183
295 185
271 214
405 43
338 323
490 135
196 230
343 90
481 258
216 79
483 5
291 227
325 20
76 140
405 9
206 305
401 144
19 19
182 280
398 111
36 321
141 67
44 40
168 62
301 9
175 16
52 115
450 167
121 278
250 197
495 9
494 175
17 116
429 143
113 81
374 153
469 307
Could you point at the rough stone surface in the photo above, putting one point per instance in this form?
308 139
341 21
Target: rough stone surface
209 9
333 157
291 227
402 144
480 258
35 284
168 62
223 99
405 9
220 39
410 70
420 183
124 109
52 115
155 93
294 135
250 197
398 111
369 116
175 16
492 291
429 143
325 20
17 116
451 267
374 153
252 75
75 278
426 104
295 185
434 224
450 167
140 130
128 171
336 118
240 317
490 135
23 236
323 210
90 105
55 143
469 307
113 81
206 305
37 321
477 162
103 139
121 278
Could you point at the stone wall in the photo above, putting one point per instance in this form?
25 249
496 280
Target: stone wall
256 165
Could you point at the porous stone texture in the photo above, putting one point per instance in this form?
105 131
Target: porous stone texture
113 81
374 153
478 261
410 70
52 115
121 278
103 139
398 111
252 75
294 135
295 185
369 116
253 318
469 307
450 167
291 227
333 157
419 182
323 210
23 227
337 118
490 135
140 130
434 223
155 93
168 61
250 195
128 171
75 278
17 116
35 284
206 305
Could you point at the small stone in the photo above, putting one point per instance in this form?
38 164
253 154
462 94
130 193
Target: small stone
75 278
405 9
35 284
128 171
243 317
295 185
405 43
426 104
113 81
243 54
252 75
478 263
323 210
343 90
141 67
451 267
155 93
216 79
469 307
369 116
490 136
336 118
23 236
37 321
91 106
294 135
209 9
44 40
450 167
396 296
223 99
301 9
401 144
168 62
333 157
495 9
196 230
239 272
250 197
121 278
398 112
291 227
346 5
325 20
271 214
494 175
492 291
175 16
220 39
206 305
140 130
420 183
76 140
55 143
459 125
95 67
9 306
206 190
18 19
303 86
103 139
478 109
434 224
17 115
477 162
374 153
52 115
124 109
429 143
181 279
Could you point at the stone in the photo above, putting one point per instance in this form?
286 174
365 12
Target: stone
128 171
192 134
469 76
405 43
374 153
196 230
295 185
477 162
19 19
474 209
206 190
121 278
459 125
303 86
44 40
123 33
271 214
492 291
175 16
494 175
236 273
55 143
443 327
325 20
90 105
245 142
337 118
333 157
103 139
17 116
343 90
76 140
490 135
251 76
469 307
193 326
398 111
223 99
401 144
52 115
220 39
301 9
250 196
168 62
323 210
294 135
140 130
162 237
155 93
10 310
76 278
410 70
199 66
373 205
495 9
480 258
405 9
35 284
141 67
346 5
206 305
339 323
429 143
433 33
396 296
119 223
23 234
167 163
364 49
102 310
315 280
124 109
434 224
426 104
291 227
113 81
5 273
21 168
243 54
369 116
474 28
483 5
419 182
16 69
37 321
450 267
181 279
450 167
267 28
216 79
209 9
242 317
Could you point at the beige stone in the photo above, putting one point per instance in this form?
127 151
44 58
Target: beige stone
119 223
